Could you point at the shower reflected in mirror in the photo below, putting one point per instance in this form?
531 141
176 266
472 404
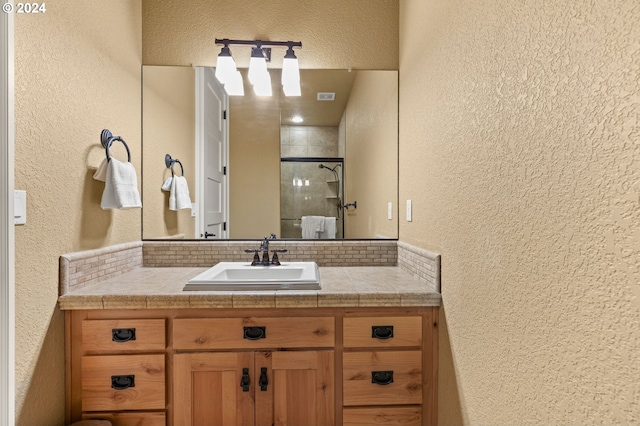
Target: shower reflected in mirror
311 188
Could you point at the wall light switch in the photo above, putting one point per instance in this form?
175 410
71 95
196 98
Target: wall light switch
408 210
390 210
20 207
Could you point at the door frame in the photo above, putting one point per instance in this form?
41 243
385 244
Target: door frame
7 235
199 132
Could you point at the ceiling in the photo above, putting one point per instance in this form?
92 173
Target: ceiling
314 112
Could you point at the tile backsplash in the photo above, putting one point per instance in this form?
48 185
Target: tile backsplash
422 264
324 253
90 266
80 269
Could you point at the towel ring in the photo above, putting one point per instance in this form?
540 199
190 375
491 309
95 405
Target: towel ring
118 138
170 162
106 140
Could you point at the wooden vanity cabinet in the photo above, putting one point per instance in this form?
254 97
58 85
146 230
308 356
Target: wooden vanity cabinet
118 368
271 382
254 388
321 366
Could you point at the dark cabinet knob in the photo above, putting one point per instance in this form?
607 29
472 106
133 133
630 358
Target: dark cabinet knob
382 377
122 335
263 382
382 332
245 381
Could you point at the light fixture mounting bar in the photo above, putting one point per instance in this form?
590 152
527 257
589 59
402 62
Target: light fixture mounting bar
258 43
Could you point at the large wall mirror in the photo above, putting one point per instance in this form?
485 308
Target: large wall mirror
332 176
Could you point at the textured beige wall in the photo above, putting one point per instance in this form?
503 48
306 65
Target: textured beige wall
371 160
169 99
519 146
77 72
359 34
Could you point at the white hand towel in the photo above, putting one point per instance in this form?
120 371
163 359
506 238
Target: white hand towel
120 186
166 186
329 228
179 196
312 226
101 173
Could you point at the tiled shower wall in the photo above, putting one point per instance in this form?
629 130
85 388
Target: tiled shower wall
308 141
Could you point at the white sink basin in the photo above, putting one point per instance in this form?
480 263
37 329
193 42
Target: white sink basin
242 276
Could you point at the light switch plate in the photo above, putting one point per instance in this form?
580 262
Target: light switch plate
390 210
194 209
408 210
20 207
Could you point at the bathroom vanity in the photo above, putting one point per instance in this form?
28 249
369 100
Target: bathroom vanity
361 350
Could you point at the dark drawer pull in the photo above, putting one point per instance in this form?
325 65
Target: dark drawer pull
122 335
382 377
255 333
381 332
123 382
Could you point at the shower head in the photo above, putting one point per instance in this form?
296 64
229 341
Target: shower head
322 166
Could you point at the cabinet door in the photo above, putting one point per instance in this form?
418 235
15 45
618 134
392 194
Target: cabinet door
300 389
207 389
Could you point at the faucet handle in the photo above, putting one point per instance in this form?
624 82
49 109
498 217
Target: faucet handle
274 260
256 257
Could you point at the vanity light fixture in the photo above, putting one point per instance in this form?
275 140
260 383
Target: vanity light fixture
297 119
235 86
290 74
225 66
258 73
259 77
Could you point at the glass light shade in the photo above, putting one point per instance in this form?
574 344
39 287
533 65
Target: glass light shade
235 87
290 74
257 66
262 86
225 66
292 89
290 71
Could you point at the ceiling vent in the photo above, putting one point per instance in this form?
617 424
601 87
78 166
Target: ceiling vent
326 96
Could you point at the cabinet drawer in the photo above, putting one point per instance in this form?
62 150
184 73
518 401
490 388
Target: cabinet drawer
382 332
382 378
123 382
251 333
388 416
123 335
130 419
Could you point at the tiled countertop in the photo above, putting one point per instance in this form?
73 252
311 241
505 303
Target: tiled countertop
161 288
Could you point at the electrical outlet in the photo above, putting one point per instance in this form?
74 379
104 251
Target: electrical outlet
408 210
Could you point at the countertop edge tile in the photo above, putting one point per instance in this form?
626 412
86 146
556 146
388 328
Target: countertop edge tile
342 287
